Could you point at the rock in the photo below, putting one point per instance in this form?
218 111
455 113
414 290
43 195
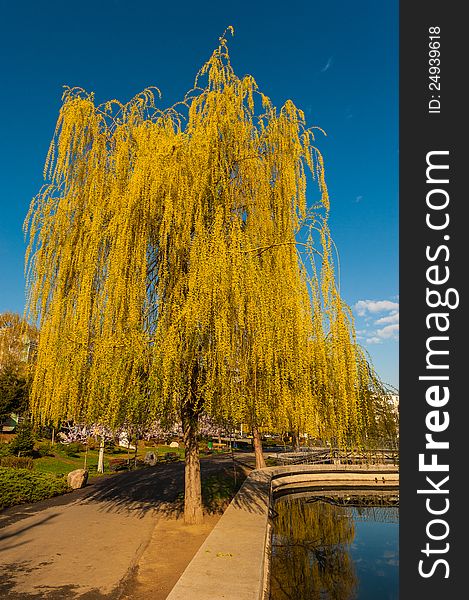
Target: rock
174 445
150 459
77 479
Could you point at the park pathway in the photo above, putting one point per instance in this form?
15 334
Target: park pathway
87 544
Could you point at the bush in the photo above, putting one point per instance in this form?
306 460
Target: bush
118 464
44 449
17 462
93 444
44 432
24 440
109 447
18 486
74 448
5 449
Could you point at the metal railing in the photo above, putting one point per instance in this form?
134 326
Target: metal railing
336 456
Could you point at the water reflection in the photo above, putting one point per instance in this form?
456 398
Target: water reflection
322 550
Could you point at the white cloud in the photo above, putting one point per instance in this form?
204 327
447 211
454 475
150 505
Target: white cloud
389 332
328 65
374 306
392 318
378 329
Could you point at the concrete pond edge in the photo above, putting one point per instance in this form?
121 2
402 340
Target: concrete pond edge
233 562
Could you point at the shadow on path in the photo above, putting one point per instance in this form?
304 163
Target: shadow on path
137 492
16 532
56 566
23 529
161 488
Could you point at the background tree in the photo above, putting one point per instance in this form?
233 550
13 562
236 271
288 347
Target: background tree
14 389
383 430
18 339
17 346
23 442
165 272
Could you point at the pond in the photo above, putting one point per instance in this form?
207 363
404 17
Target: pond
342 546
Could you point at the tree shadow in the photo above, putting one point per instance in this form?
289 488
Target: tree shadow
219 489
141 491
160 489
22 530
65 592
254 495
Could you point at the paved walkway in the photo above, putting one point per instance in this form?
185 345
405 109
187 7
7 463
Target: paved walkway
87 544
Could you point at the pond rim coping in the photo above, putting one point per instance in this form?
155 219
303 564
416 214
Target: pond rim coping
233 561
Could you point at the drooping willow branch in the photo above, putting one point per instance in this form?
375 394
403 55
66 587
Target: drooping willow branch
149 244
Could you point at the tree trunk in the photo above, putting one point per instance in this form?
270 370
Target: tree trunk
101 457
296 441
85 461
193 511
136 450
256 438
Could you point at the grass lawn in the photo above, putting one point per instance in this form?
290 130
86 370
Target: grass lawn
58 462
48 475
61 463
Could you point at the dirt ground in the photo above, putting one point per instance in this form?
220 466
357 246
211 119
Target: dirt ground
170 550
121 538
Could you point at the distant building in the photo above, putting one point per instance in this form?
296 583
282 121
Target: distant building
10 424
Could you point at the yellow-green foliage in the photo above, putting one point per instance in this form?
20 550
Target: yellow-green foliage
165 268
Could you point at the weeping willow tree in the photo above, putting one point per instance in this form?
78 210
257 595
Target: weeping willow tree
166 273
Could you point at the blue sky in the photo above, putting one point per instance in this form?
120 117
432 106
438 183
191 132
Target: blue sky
337 60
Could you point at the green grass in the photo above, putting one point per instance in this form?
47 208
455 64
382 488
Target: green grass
218 490
60 463
48 476
161 451
57 462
